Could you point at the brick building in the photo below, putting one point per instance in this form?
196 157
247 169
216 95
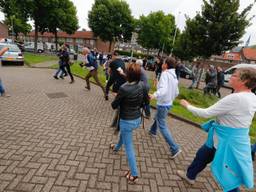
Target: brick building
3 31
77 40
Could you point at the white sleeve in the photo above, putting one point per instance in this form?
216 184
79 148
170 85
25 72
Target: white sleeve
223 106
161 87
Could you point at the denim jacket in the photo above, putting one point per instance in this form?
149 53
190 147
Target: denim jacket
232 164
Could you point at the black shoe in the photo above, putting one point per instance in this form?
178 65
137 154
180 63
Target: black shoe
55 77
61 77
81 64
106 97
65 75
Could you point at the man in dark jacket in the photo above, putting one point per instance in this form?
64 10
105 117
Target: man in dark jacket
117 76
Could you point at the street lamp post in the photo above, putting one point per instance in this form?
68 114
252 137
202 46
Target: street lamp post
175 33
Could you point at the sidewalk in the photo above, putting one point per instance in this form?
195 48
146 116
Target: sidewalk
55 136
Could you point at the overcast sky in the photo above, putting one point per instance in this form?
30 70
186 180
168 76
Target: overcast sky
176 7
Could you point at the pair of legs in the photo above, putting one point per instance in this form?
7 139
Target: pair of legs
93 73
60 70
160 122
204 156
67 66
193 83
218 91
126 129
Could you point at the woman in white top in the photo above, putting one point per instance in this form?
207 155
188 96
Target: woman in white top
236 110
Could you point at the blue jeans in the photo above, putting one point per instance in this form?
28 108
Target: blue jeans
204 155
160 122
1 88
126 128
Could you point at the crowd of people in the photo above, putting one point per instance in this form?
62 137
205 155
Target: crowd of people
230 157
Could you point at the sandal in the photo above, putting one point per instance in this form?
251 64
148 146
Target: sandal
127 174
131 179
112 147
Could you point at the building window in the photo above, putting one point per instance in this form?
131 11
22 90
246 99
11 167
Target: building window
69 40
80 41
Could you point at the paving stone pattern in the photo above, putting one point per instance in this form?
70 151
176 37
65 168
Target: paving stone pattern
62 144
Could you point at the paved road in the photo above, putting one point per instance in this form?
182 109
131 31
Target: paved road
54 136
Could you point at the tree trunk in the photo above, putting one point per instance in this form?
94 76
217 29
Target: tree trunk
36 37
56 40
110 46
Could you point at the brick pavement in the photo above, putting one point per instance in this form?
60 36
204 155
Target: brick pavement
62 144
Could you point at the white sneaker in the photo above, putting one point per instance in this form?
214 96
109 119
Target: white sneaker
176 154
183 175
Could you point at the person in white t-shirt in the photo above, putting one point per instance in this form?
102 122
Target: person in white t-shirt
235 110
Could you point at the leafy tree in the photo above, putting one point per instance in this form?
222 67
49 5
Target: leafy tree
156 31
111 20
218 28
62 16
16 16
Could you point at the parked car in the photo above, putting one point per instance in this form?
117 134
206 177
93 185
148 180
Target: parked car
228 72
13 55
30 46
185 72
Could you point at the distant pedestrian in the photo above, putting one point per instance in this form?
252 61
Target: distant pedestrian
178 69
231 162
194 75
130 98
144 79
210 80
220 80
2 90
158 67
92 66
167 91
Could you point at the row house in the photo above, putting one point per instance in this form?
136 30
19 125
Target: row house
76 41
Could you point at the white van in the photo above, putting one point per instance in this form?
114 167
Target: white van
228 72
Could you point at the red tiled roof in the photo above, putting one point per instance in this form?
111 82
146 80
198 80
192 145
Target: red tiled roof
77 34
249 53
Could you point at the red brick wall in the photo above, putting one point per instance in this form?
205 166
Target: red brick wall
103 46
3 31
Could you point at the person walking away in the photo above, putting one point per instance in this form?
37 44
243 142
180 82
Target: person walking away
178 69
130 99
210 80
106 69
195 73
92 66
116 71
144 79
167 91
158 67
220 80
231 162
2 90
